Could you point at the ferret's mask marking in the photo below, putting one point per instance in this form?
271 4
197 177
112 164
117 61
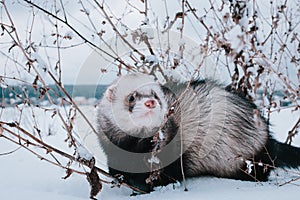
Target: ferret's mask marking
150 100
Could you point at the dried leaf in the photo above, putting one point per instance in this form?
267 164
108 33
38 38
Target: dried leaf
12 46
34 84
1 130
103 70
94 182
69 173
53 114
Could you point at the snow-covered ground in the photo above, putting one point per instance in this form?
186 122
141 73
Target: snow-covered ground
24 176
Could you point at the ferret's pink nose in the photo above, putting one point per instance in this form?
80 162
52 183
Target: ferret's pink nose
150 104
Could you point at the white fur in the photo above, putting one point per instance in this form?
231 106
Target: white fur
141 117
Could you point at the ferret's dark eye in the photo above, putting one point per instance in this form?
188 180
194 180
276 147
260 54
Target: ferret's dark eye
131 98
155 95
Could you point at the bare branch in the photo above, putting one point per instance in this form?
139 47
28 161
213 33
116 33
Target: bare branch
75 31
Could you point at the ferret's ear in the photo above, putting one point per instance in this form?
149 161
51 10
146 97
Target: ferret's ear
110 93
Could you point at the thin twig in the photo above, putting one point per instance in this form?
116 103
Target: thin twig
72 101
76 31
116 30
292 132
10 152
49 148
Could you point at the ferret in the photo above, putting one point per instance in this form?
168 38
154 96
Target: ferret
155 134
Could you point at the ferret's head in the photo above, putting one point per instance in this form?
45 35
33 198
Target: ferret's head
135 102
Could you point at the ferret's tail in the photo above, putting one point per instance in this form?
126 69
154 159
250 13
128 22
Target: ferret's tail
283 155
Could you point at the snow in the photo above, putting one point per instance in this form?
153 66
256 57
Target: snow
181 42
236 38
161 135
70 34
24 176
151 59
154 159
249 166
148 31
82 152
41 63
3 85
